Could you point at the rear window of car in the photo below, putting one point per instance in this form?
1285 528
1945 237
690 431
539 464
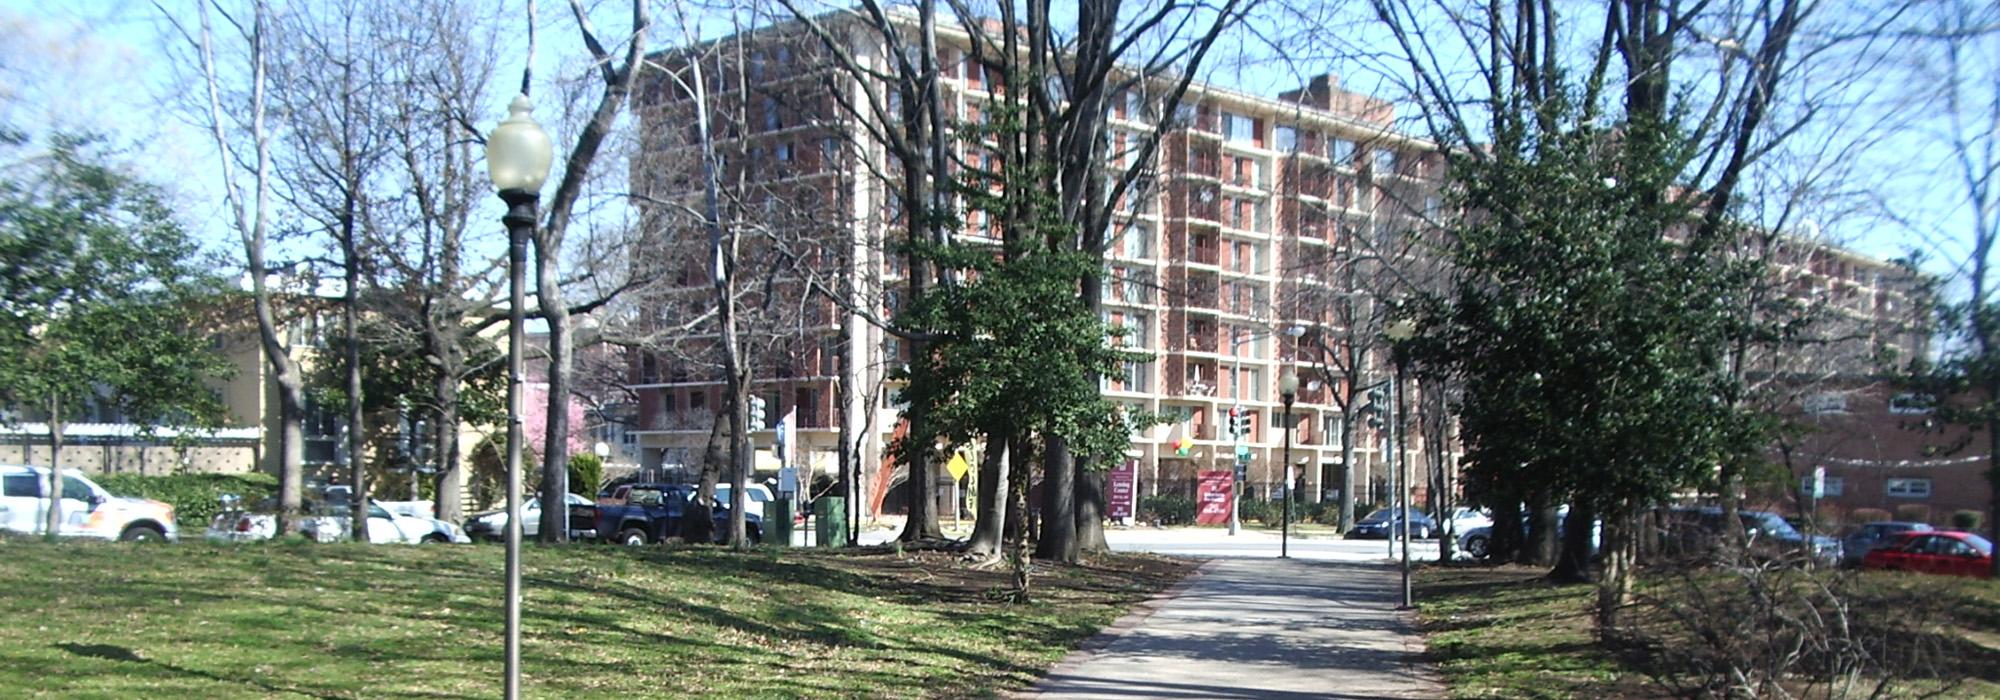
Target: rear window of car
1982 544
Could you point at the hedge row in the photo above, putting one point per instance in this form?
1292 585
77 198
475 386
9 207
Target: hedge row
195 497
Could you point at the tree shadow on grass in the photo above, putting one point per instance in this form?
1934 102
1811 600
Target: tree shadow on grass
112 652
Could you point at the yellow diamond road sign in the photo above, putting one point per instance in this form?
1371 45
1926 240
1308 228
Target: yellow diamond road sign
958 467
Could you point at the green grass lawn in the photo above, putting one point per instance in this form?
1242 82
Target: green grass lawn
85 620
1505 632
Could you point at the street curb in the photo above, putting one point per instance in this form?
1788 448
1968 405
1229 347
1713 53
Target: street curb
1117 629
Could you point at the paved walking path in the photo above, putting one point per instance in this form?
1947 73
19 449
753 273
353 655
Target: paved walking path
1258 628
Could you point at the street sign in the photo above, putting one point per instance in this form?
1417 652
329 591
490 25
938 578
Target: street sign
957 466
788 480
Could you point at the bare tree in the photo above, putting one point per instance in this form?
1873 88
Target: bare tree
234 113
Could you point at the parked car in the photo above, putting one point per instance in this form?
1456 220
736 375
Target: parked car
1856 544
1477 542
1695 528
1383 524
87 509
1946 553
491 525
644 513
328 522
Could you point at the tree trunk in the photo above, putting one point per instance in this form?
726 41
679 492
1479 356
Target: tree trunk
1732 525
1021 464
450 476
1058 534
357 464
54 522
699 524
1506 540
989 525
1090 509
1347 466
555 443
291 446
1614 583
1573 560
1541 545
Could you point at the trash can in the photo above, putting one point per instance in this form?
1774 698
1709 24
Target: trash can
830 521
778 522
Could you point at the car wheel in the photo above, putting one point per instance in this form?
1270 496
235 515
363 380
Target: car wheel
142 533
433 538
1475 546
632 537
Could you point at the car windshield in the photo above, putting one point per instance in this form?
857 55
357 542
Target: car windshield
1770 523
1381 515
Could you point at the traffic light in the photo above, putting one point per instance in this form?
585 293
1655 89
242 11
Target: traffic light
1374 408
1239 423
756 413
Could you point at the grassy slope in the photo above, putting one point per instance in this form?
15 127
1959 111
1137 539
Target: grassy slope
1506 633
292 620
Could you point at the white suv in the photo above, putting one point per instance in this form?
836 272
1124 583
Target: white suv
87 509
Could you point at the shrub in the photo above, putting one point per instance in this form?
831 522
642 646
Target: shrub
1324 512
1867 515
195 497
1967 520
586 473
1259 510
1914 512
1167 510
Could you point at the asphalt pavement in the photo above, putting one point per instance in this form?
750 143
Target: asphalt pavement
1320 624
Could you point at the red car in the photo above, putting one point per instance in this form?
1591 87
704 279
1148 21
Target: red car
1948 553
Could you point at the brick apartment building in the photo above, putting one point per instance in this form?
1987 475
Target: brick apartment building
1206 268
1246 187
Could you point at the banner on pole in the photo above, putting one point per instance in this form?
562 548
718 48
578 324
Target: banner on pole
1212 498
1122 484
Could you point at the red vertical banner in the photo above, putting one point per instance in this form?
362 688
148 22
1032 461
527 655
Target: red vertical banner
1211 497
1123 487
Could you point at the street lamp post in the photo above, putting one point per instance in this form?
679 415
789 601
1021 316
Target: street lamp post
1288 389
1399 332
518 154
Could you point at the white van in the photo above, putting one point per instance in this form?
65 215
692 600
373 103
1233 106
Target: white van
87 509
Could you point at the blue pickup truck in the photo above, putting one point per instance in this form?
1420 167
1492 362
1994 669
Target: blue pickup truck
643 513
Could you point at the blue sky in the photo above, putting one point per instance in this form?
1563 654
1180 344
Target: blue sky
95 65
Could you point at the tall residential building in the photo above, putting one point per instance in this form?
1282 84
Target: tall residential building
1249 196
1256 216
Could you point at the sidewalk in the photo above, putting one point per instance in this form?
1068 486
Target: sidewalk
1257 628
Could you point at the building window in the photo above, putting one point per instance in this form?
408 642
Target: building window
1340 151
697 400
1835 486
1286 139
1909 488
1824 403
783 153
1911 404
1385 162
1330 429
1239 128
771 120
